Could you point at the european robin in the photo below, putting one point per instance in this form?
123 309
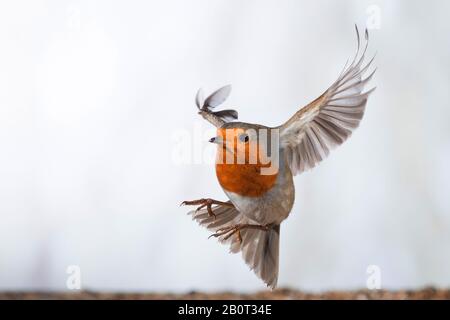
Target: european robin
255 164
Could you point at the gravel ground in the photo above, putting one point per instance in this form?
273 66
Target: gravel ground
279 294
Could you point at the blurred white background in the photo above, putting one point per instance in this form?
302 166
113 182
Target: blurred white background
93 94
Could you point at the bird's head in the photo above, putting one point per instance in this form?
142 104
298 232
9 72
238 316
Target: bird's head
244 143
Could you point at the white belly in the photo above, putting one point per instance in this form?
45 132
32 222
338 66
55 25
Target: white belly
272 207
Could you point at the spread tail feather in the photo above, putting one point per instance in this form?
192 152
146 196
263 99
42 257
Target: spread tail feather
259 248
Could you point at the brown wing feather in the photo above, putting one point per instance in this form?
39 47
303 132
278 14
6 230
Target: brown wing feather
329 120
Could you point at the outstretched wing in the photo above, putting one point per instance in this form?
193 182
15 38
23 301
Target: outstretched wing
217 118
329 120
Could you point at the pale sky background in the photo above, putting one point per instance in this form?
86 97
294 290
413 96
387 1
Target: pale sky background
94 93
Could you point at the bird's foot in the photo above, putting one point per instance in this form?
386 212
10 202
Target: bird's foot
236 229
202 203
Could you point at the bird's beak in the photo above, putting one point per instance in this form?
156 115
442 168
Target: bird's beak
217 140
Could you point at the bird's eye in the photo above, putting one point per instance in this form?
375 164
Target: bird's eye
244 137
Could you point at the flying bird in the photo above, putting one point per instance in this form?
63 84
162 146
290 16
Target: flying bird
259 185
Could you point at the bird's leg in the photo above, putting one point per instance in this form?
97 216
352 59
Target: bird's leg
207 203
236 229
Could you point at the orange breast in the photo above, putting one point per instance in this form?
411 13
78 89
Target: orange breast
245 178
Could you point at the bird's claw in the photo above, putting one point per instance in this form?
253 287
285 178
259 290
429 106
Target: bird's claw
236 229
202 204
228 232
